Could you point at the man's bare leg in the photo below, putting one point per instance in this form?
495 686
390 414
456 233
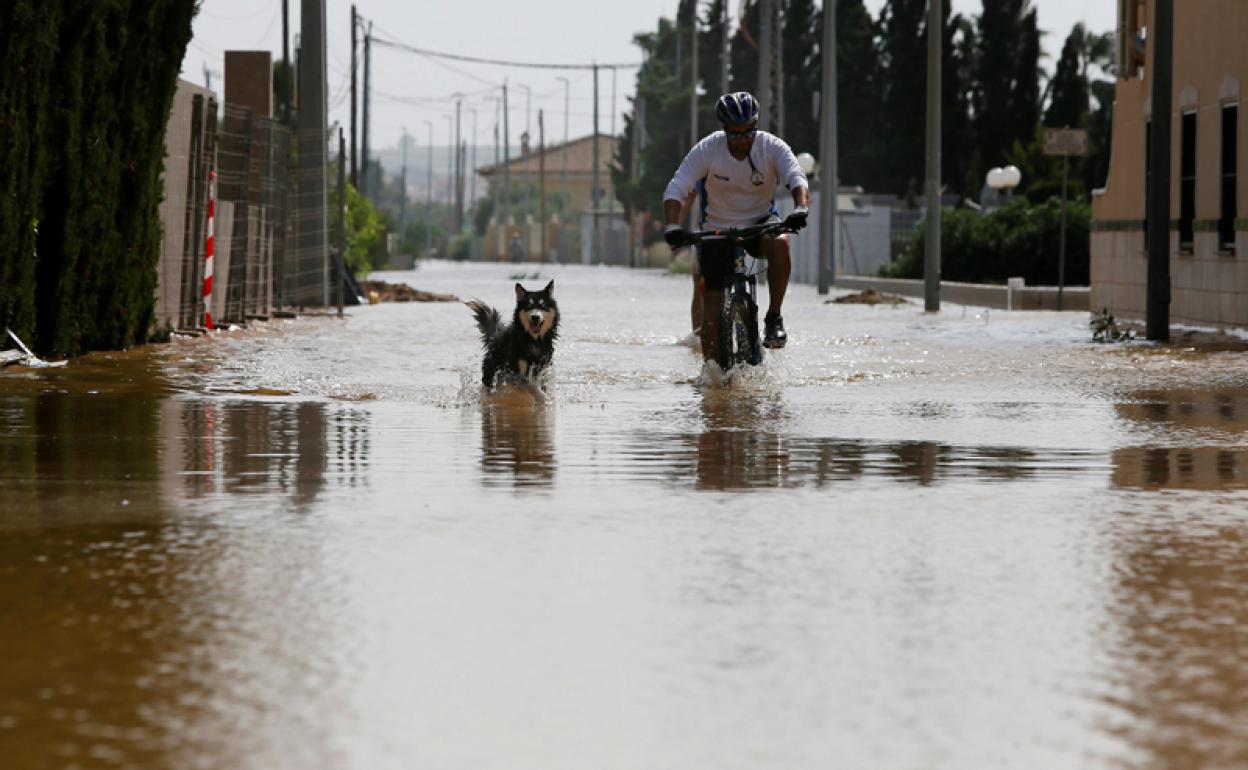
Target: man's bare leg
712 299
779 267
695 305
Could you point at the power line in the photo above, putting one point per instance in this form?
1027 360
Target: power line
498 62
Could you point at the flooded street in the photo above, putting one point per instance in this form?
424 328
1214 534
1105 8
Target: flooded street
968 540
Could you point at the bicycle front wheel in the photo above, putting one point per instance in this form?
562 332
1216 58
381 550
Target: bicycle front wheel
738 333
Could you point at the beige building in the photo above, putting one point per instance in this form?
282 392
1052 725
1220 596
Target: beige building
577 156
1208 194
564 237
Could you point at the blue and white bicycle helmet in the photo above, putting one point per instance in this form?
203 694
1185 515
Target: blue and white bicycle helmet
739 107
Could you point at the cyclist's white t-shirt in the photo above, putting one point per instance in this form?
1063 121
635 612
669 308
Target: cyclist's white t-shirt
736 193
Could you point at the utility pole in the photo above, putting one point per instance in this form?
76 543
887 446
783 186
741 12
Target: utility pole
451 150
459 171
931 264
723 53
290 76
777 69
541 180
366 176
1157 302
403 189
506 161
693 83
471 171
340 269
765 48
355 168
596 254
563 191
829 185
429 193
611 197
526 142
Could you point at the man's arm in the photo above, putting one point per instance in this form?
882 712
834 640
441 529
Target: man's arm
671 211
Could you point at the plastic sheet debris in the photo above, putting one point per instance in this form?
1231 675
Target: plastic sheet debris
23 356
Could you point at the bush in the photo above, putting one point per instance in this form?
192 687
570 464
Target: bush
1020 239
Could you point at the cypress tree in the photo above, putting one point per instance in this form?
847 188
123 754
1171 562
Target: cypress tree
1068 94
710 55
803 34
860 134
112 82
743 72
1008 73
28 53
903 57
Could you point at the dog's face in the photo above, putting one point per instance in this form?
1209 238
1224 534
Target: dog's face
536 310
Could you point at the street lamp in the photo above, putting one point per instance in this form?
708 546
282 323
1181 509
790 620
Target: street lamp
1004 178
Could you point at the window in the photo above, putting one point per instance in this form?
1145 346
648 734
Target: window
1230 161
1187 180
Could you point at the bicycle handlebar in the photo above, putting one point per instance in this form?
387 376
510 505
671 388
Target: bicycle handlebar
740 233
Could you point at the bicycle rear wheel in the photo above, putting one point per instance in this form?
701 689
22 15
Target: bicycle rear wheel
738 333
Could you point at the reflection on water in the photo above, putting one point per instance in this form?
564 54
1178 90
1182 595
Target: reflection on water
516 440
1209 423
744 441
252 447
963 545
1182 603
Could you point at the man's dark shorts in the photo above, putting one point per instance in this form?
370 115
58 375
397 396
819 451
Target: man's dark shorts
717 263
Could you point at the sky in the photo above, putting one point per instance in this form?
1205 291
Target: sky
414 92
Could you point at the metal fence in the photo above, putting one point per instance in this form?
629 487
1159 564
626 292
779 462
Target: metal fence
271 228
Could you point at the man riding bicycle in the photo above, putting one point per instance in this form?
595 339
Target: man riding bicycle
734 173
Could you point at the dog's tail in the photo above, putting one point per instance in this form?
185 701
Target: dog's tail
487 317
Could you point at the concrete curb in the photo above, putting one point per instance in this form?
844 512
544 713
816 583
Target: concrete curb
1017 296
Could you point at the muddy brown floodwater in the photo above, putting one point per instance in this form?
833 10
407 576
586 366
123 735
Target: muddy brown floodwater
964 540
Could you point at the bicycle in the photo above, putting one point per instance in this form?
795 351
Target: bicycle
739 341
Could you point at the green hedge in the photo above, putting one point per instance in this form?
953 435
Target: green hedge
1020 239
82 132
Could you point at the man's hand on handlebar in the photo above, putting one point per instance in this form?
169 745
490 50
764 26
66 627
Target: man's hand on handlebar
675 236
797 220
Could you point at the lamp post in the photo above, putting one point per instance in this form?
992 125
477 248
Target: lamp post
1005 179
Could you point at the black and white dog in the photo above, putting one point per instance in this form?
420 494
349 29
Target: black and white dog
523 348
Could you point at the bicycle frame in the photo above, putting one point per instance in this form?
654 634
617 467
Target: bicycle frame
738 341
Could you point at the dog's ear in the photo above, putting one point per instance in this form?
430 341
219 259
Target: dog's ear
520 292
550 288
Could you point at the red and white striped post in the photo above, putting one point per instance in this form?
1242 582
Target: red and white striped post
212 201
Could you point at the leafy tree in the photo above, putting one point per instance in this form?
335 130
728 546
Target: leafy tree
365 230
743 59
861 140
710 60
802 31
1008 75
661 105
1019 239
903 61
